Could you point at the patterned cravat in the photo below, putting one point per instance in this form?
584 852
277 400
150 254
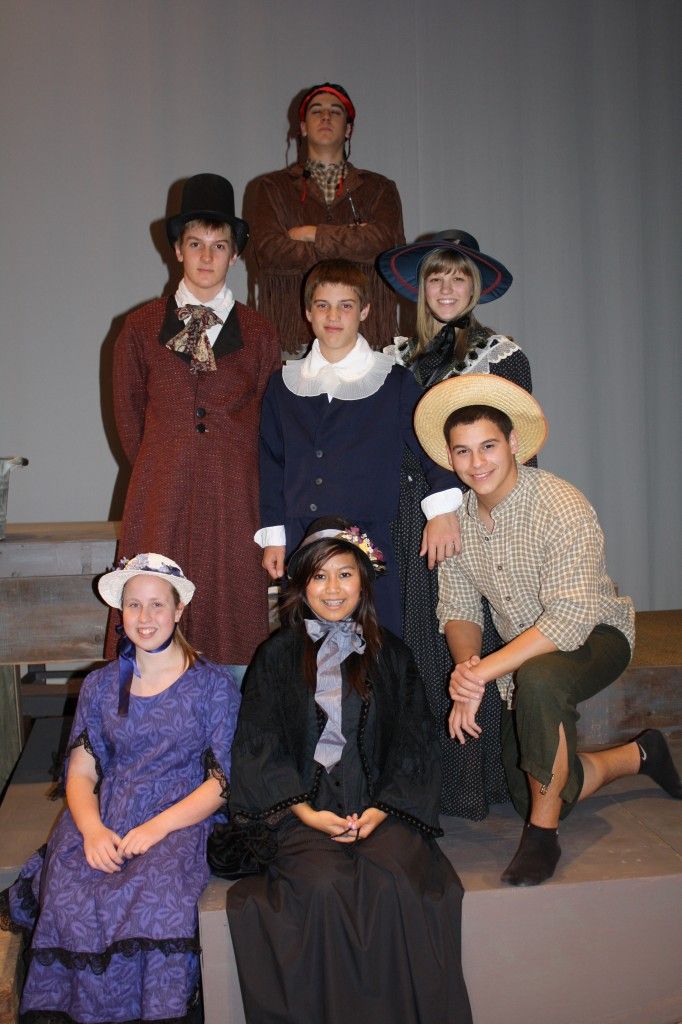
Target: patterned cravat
193 339
340 640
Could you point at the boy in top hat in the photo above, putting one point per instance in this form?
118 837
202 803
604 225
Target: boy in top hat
189 376
323 207
333 431
532 545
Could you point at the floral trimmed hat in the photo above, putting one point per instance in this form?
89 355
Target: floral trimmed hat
332 528
111 585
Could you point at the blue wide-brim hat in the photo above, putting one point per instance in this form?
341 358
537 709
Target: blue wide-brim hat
400 267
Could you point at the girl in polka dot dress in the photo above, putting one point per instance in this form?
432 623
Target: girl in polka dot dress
448 276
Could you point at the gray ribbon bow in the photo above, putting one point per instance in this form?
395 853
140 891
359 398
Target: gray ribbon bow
341 639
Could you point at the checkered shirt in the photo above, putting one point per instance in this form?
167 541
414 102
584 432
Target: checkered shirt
543 565
326 177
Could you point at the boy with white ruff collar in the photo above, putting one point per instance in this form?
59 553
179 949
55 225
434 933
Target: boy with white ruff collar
333 429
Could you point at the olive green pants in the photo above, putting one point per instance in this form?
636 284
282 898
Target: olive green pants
548 690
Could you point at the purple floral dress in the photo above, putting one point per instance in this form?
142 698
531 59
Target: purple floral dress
124 947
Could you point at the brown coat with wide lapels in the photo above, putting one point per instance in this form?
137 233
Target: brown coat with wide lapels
192 440
287 199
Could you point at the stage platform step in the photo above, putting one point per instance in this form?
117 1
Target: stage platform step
27 812
598 944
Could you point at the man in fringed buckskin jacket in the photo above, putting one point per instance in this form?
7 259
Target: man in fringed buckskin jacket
320 208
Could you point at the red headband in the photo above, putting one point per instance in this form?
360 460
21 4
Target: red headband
345 100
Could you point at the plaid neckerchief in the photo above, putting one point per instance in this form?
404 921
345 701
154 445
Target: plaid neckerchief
327 177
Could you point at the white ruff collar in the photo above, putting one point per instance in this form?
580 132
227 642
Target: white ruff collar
358 375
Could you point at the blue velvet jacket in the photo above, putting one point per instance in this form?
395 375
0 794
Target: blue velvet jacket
339 458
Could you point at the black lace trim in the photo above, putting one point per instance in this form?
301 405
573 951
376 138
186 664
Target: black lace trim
193 1016
83 740
6 922
282 805
362 725
99 962
27 901
212 770
430 831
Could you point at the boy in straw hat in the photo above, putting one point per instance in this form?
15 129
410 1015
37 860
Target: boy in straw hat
532 545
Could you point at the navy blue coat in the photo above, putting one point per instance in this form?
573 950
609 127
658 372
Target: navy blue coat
341 458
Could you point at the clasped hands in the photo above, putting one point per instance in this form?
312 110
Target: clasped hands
466 689
342 830
106 851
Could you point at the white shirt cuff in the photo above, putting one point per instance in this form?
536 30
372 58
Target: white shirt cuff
442 501
270 536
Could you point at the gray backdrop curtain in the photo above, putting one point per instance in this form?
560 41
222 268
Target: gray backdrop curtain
547 128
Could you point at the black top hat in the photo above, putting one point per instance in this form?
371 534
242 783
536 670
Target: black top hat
400 267
208 197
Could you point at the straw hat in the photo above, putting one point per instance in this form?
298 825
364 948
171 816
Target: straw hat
112 583
439 401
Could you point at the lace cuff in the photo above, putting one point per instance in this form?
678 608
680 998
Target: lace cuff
212 770
83 740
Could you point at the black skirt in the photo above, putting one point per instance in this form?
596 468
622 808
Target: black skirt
367 932
473 773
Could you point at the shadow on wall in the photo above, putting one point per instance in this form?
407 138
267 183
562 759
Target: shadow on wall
293 135
157 231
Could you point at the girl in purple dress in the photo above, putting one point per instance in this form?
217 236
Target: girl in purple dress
111 901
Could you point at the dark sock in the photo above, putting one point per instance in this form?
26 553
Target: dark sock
536 858
657 763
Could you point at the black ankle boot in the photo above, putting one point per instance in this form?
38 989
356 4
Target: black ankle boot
536 858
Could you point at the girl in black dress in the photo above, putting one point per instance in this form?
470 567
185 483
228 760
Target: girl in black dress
358 914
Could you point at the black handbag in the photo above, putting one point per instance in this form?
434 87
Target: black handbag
237 848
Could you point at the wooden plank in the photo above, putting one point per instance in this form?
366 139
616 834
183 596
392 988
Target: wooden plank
58 549
56 618
10 721
658 638
57 533
642 698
